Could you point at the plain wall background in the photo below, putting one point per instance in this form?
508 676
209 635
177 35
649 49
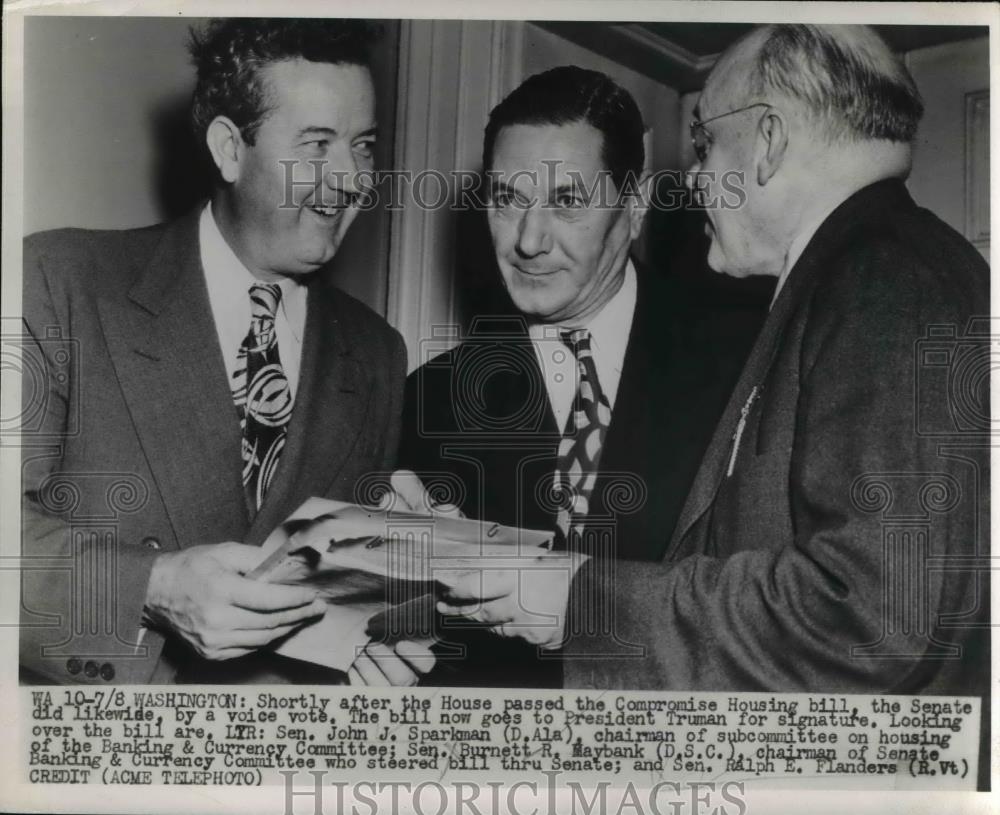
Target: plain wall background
945 74
98 92
658 103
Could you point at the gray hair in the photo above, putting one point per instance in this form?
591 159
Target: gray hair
847 79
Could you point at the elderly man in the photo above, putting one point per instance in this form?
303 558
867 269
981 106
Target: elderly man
503 422
832 540
203 378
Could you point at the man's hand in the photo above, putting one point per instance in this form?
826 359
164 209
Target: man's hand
201 595
408 494
529 601
401 665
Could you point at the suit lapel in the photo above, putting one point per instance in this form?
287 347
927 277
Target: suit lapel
645 383
520 391
525 393
862 209
716 458
166 354
640 385
500 368
330 410
497 382
649 433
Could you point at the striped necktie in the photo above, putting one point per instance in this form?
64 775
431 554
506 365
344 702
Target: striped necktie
261 393
580 447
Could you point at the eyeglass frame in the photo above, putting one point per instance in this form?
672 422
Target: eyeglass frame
697 127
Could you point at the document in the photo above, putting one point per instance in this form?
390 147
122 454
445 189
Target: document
376 569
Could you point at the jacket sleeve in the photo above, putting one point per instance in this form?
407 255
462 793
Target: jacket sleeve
82 595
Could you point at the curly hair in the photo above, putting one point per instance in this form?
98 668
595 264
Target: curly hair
229 54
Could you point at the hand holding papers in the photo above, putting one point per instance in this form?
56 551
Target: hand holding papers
378 571
201 595
399 665
529 601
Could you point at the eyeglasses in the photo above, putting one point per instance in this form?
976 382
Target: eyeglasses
701 138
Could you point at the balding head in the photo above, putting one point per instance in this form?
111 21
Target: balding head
846 81
726 87
806 116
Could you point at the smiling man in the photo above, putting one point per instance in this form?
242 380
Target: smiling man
218 378
585 408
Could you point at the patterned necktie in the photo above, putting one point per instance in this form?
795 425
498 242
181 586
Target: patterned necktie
261 393
580 447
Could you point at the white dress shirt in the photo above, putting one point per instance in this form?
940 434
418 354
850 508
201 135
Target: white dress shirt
229 283
609 330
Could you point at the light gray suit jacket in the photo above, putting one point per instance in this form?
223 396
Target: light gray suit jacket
132 444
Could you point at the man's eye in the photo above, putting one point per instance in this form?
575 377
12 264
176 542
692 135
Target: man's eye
568 202
501 200
316 145
365 148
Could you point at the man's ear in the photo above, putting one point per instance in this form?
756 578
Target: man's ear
227 147
772 144
638 203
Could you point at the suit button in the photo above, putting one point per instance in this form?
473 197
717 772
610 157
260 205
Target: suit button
74 666
90 670
152 543
107 671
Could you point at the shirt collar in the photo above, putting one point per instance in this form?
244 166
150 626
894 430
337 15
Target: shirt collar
609 328
795 250
225 274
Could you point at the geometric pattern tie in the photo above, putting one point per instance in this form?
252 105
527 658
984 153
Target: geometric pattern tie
261 394
581 444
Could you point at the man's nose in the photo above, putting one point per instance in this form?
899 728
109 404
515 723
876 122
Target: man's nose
691 176
533 235
695 181
342 171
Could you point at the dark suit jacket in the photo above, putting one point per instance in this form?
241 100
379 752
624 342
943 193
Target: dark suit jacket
132 443
847 550
479 429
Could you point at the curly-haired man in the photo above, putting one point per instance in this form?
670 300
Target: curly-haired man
216 371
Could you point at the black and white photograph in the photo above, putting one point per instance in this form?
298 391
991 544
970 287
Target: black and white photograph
555 408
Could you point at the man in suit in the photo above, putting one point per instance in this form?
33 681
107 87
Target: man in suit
202 378
835 538
499 426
